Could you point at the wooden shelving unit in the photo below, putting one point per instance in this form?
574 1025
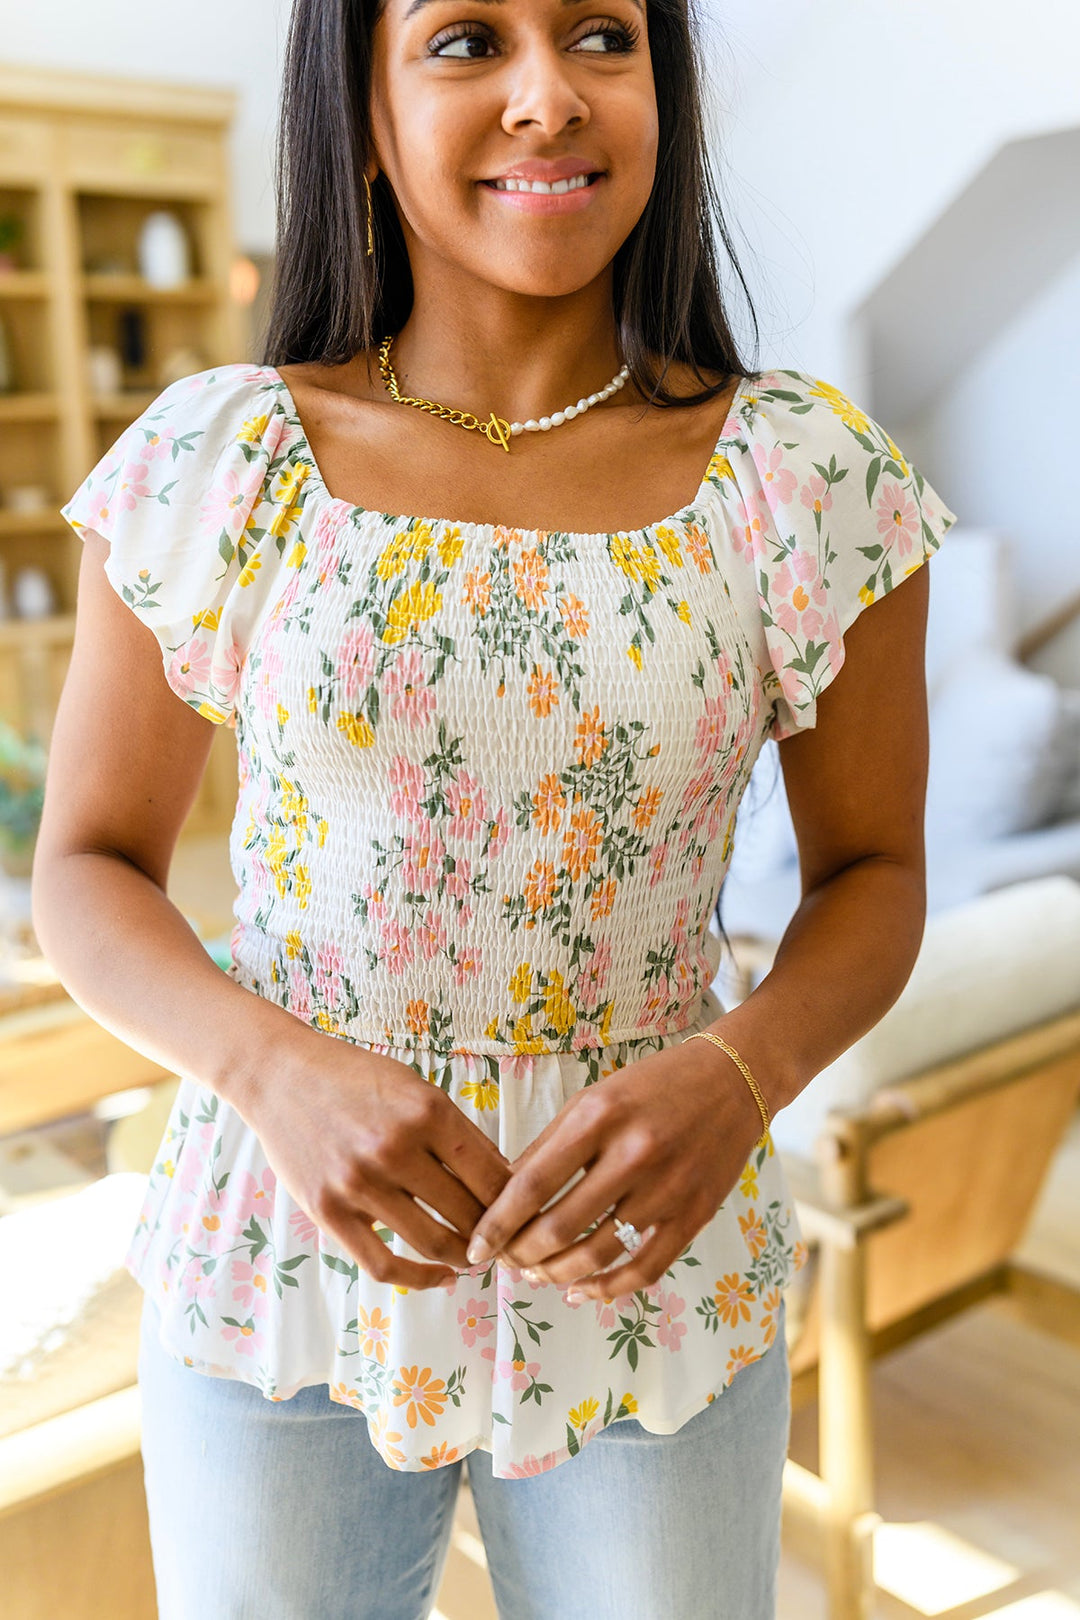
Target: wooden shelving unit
83 160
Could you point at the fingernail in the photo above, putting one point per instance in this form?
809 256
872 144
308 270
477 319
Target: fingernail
574 1296
533 1275
479 1250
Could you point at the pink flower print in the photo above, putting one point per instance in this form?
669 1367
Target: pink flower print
397 951
406 788
498 833
459 881
657 861
528 1466
795 587
431 935
605 1315
468 963
593 976
423 857
229 501
304 1228
300 996
227 672
897 515
252 1196
519 1373
778 482
132 487
695 790
466 799
252 1284
194 1282
355 663
682 917
412 698
749 530
189 666
473 1321
723 665
711 726
669 1330
272 660
816 495
376 904
246 1339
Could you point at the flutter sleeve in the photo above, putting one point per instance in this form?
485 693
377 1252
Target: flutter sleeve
185 500
840 518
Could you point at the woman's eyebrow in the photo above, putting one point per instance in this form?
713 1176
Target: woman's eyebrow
418 5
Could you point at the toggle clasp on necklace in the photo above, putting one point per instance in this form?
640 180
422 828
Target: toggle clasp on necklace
497 430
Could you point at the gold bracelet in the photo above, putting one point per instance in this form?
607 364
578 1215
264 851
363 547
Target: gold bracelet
763 1107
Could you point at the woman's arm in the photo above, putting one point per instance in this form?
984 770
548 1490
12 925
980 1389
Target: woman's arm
671 1133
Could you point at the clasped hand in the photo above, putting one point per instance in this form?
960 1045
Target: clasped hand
664 1140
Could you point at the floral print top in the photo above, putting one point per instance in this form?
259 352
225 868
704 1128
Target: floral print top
488 780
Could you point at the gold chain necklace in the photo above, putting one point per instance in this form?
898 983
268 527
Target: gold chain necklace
496 429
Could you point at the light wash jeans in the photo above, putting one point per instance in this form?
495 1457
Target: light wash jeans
284 1510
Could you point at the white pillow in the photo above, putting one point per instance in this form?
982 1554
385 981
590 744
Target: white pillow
997 750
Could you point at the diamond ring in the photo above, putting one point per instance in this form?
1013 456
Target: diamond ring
628 1235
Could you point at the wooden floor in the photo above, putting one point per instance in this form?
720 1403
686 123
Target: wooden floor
977 1429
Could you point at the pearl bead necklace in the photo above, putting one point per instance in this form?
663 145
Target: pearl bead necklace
568 412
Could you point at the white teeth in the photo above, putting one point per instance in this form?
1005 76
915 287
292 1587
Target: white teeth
542 186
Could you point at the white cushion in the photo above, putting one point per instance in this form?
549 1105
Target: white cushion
985 970
972 602
997 750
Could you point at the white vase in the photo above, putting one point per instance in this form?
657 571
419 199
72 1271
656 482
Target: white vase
164 253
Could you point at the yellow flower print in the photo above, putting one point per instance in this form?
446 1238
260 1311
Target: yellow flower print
633 652
248 572
373 1333
253 429
421 601
720 467
288 489
840 405
275 973
650 568
296 555
748 1184
357 729
483 1094
549 802
542 692
521 983
394 557
302 883
605 1023
312 700
682 611
422 1395
669 544
420 541
169 1167
523 1038
559 1010
579 1416
324 827
282 714
897 455
625 555
590 740
449 547
208 619
628 1403
210 711
866 595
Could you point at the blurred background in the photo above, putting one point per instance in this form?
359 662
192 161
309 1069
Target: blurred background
901 179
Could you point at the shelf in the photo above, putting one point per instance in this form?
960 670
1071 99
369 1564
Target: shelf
128 289
25 406
25 284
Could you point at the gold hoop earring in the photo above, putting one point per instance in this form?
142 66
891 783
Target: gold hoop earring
370 237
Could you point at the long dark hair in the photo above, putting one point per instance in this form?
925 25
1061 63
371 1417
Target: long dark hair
330 301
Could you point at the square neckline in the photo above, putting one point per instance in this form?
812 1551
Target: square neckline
352 512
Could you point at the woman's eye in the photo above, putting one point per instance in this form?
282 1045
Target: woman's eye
623 36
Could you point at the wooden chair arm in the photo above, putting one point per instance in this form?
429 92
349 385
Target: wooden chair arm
825 1221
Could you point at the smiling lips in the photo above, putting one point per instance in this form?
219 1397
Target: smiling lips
563 196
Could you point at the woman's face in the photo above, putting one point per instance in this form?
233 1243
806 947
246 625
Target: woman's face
464 91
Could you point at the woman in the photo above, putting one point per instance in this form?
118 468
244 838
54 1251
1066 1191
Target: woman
447 1150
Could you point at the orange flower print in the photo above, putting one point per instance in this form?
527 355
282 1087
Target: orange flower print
646 807
505 538
697 546
531 578
422 1396
733 1295
753 1230
374 1333
581 843
604 898
418 1017
540 883
549 801
590 741
740 1358
800 1254
477 593
543 692
382 1439
438 1456
771 1304
575 615
346 1395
